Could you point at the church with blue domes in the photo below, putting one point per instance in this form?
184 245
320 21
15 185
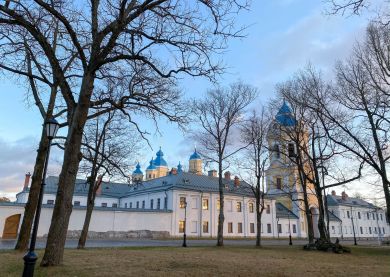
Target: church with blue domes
158 167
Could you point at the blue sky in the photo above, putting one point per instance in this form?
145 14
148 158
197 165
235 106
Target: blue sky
282 37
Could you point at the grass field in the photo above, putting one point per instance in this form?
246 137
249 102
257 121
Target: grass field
208 261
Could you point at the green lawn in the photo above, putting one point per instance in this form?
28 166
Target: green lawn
208 261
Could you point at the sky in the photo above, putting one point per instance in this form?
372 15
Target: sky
283 36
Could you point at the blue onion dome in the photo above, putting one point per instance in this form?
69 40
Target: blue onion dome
195 156
179 168
285 116
151 165
159 161
138 169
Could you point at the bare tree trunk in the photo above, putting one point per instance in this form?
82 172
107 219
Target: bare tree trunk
321 214
310 232
32 202
88 214
63 205
221 217
258 223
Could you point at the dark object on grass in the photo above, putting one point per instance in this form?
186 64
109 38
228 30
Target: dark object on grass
327 246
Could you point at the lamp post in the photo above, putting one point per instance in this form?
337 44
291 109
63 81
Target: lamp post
185 223
289 229
51 126
353 228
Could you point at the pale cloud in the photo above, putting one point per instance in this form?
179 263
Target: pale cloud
16 159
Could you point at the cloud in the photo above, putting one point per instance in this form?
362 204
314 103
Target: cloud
315 38
16 159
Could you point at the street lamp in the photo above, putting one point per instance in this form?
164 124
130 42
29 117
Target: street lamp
353 228
289 228
51 126
185 223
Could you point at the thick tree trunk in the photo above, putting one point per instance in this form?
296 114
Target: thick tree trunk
63 205
88 214
321 214
32 202
258 224
310 232
221 217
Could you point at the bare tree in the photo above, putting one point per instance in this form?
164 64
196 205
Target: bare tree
104 48
253 133
46 111
342 6
108 148
218 114
358 106
316 156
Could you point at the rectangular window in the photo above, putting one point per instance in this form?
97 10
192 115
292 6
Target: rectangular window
238 206
239 228
165 203
279 228
230 227
291 150
268 210
143 204
348 214
361 230
381 217
377 218
137 204
368 216
104 204
294 228
369 230
131 205
279 183
383 230
269 228
205 226
333 230
125 205
151 203
375 230
359 215
76 203
183 202
115 205
277 151
251 207
252 228
205 204
50 202
158 203
181 226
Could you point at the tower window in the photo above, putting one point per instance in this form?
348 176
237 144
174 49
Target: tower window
279 183
291 150
277 151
